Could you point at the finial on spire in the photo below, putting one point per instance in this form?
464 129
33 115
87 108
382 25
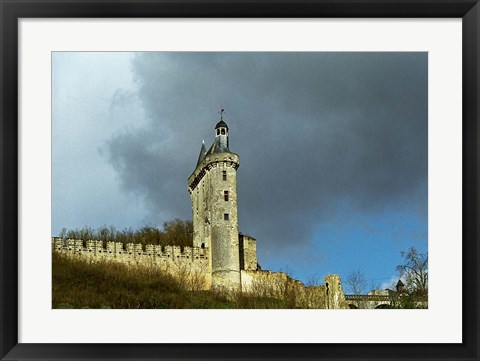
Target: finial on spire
222 110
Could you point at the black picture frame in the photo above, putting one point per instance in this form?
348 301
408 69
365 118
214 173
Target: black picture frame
12 11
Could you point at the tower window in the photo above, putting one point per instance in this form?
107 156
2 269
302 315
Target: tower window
225 216
224 173
225 196
218 131
223 131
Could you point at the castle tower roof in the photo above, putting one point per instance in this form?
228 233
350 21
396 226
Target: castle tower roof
220 144
221 124
203 153
218 147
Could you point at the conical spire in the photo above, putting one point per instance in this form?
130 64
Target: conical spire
202 154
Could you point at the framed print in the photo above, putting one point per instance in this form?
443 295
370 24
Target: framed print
349 231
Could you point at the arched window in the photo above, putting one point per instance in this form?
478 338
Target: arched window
223 131
218 131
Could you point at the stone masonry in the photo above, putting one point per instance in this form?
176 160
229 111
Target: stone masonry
213 190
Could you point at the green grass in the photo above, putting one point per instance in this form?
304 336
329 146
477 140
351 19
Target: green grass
77 284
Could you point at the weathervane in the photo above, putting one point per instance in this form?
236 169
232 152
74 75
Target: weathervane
221 112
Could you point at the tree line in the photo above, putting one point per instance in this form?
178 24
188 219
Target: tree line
173 233
413 272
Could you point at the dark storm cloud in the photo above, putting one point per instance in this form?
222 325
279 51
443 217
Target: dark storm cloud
314 131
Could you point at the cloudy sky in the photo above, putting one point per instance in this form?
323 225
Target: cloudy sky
332 146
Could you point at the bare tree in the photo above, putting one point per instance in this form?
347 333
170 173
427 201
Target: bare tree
179 232
63 233
314 280
414 271
375 285
357 282
174 233
103 234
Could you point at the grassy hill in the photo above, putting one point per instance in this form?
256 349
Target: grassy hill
78 283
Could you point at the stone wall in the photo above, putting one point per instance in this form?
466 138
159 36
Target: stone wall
280 285
190 264
335 298
248 252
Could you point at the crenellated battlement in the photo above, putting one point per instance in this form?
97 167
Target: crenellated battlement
130 249
189 264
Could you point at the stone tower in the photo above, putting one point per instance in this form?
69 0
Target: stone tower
335 298
213 190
